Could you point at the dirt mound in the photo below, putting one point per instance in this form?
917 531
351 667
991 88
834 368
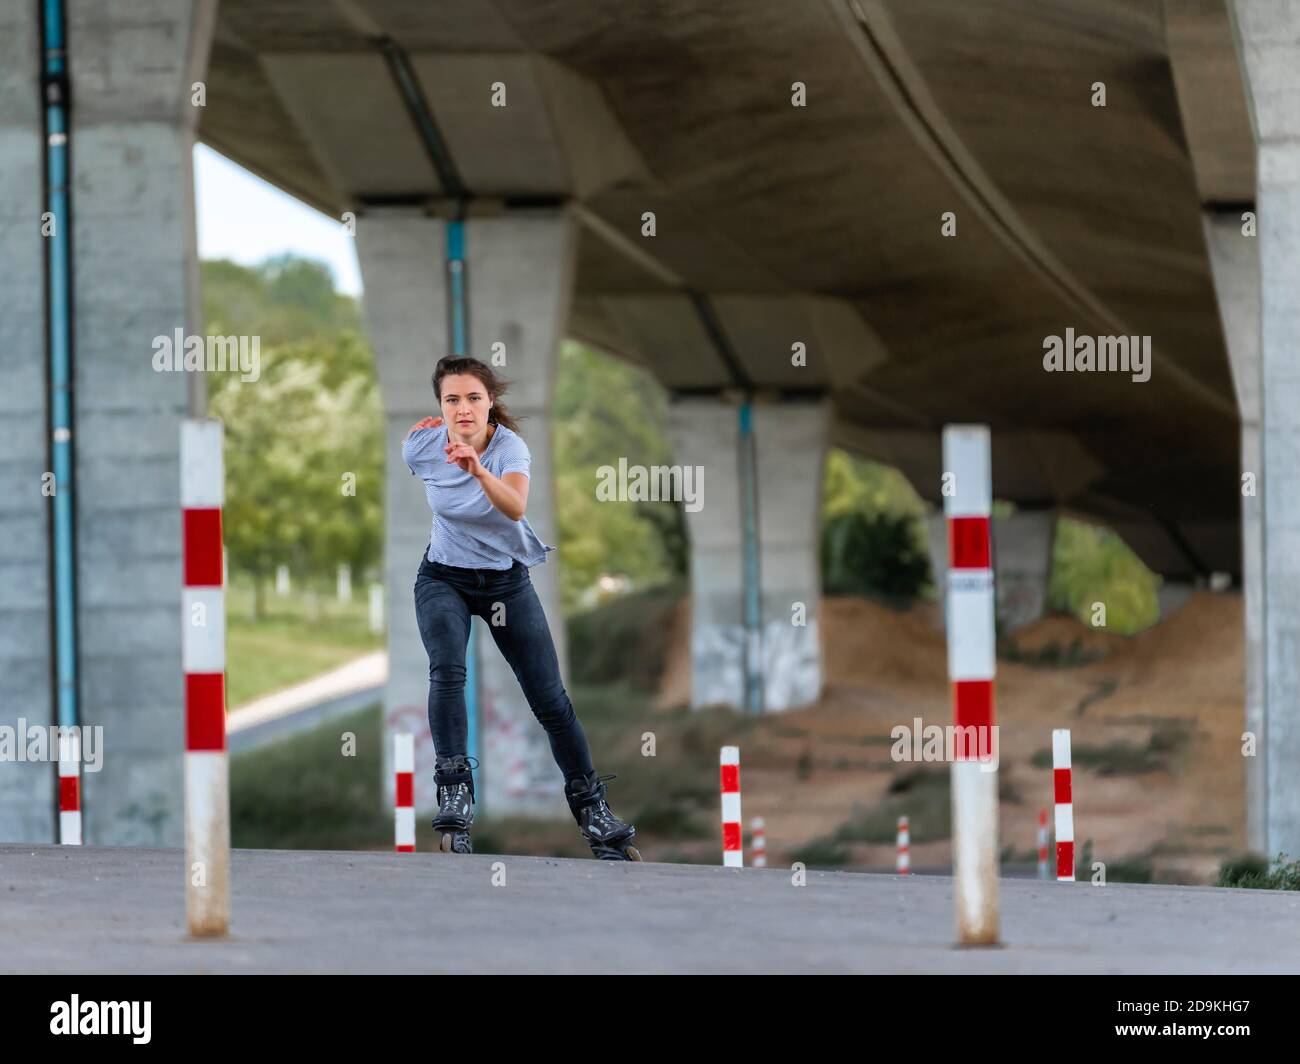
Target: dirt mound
1155 720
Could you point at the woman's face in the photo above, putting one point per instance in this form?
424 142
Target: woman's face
465 404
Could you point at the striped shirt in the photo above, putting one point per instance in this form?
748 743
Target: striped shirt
468 531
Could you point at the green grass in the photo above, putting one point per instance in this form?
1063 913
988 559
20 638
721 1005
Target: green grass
1051 655
1254 872
302 793
292 641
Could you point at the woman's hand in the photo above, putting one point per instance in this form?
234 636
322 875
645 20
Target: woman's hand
466 457
427 423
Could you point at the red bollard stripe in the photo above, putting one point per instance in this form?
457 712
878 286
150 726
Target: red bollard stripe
730 778
405 789
1065 860
205 711
968 543
69 794
1061 781
202 529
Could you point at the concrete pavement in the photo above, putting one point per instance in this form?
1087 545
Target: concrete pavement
110 910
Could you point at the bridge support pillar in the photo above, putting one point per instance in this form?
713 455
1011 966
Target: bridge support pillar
1234 261
134 270
1268 42
790 441
518 278
26 805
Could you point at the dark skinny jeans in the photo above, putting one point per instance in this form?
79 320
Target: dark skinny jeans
446 596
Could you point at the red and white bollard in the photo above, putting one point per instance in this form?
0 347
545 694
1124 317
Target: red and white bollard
203 655
404 804
733 855
968 502
1062 784
69 788
1042 844
904 863
759 829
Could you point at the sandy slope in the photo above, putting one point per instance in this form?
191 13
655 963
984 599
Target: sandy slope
1180 681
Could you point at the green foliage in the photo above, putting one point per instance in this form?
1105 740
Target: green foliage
605 410
873 554
625 640
1253 871
873 535
312 416
1091 564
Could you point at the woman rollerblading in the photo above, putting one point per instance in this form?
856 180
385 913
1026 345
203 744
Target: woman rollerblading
475 467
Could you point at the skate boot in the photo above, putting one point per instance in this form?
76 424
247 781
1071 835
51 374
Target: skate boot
455 779
608 836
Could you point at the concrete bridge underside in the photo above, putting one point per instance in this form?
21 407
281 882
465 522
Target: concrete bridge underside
798 162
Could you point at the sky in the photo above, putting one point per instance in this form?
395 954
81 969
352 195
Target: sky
241 217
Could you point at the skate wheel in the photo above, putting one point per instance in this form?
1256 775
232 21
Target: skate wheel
445 843
633 854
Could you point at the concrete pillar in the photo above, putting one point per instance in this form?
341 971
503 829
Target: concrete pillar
705 434
520 278
1022 560
26 796
1268 41
791 440
1234 261
790 447
132 70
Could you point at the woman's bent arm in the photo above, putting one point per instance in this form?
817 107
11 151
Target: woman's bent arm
508 493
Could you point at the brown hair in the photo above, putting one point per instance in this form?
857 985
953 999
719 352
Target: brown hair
495 386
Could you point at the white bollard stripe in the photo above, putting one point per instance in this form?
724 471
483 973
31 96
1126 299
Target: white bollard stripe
203 475
731 807
203 629
404 752
972 631
1061 749
406 828
70 828
207 842
1065 823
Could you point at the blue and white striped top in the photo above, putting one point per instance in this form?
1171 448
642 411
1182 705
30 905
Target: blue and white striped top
468 531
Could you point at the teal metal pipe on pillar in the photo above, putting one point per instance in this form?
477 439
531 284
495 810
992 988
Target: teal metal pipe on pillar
458 323
753 587
58 295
